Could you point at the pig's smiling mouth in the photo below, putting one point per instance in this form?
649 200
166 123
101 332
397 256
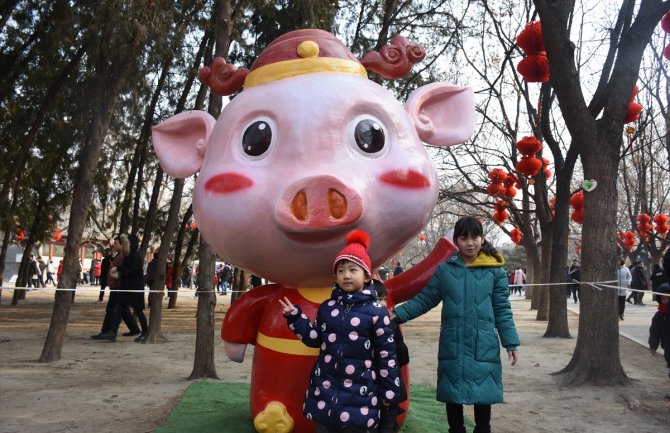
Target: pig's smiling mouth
318 237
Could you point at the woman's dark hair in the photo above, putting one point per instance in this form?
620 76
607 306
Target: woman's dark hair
472 227
134 243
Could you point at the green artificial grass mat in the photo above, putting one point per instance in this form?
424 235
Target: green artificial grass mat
224 407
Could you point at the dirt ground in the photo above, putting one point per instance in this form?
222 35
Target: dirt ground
130 387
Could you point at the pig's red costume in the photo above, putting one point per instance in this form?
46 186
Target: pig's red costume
310 150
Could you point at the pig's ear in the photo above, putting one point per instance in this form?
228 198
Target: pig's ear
181 140
443 114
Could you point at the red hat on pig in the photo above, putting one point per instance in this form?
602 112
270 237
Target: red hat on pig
309 51
358 242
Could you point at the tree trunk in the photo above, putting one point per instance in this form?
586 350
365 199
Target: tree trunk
157 288
108 90
203 362
541 295
558 309
241 284
596 357
177 261
533 275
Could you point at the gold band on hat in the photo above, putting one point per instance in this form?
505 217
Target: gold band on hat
310 63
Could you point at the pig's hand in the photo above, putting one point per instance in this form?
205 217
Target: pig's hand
235 351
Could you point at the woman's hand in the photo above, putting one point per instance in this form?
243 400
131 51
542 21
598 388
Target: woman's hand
287 307
114 272
513 356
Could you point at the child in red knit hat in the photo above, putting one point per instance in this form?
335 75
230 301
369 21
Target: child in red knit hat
356 372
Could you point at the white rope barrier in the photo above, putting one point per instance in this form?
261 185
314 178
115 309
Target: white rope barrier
93 289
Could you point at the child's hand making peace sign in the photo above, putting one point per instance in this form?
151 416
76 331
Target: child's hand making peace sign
287 307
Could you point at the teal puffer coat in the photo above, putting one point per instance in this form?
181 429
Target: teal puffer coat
476 312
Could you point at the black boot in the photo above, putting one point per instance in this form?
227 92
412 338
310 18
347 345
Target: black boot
109 335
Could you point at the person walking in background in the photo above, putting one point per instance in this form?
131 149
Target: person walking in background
397 270
59 272
97 271
50 272
574 277
657 277
105 265
108 331
471 330
519 279
659 331
34 272
623 282
638 283
42 276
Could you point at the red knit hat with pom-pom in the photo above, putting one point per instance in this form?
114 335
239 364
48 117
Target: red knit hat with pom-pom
358 242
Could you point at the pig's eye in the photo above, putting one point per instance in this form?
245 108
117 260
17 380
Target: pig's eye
257 138
369 136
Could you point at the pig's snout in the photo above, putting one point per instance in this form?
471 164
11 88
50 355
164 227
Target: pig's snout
318 203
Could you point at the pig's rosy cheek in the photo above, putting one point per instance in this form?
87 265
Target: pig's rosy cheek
227 182
405 179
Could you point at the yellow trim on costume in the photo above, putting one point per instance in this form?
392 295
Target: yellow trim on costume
284 345
293 68
317 295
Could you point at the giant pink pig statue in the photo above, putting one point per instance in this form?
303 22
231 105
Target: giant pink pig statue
310 150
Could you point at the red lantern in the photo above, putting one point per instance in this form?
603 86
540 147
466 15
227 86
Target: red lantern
644 226
422 237
194 226
534 68
516 235
545 167
633 112
577 216
530 38
497 175
529 166
57 236
577 200
20 235
510 192
495 189
528 145
500 217
661 221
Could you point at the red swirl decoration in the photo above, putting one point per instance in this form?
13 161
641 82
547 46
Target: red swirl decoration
394 60
223 78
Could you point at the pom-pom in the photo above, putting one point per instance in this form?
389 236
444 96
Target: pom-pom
643 218
510 192
665 22
359 237
497 175
530 38
577 200
496 189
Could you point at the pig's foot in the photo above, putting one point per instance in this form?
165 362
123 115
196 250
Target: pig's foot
274 419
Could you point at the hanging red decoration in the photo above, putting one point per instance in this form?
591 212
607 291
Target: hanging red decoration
661 221
495 189
500 215
510 192
534 68
666 52
510 182
529 166
497 175
530 38
577 203
422 237
57 236
20 235
628 239
516 235
529 145
644 226
194 226
634 109
545 167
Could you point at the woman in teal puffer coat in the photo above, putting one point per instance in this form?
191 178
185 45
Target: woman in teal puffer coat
476 316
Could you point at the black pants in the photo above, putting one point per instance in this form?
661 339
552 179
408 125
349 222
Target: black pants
101 296
622 305
387 419
575 292
121 307
125 314
457 423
